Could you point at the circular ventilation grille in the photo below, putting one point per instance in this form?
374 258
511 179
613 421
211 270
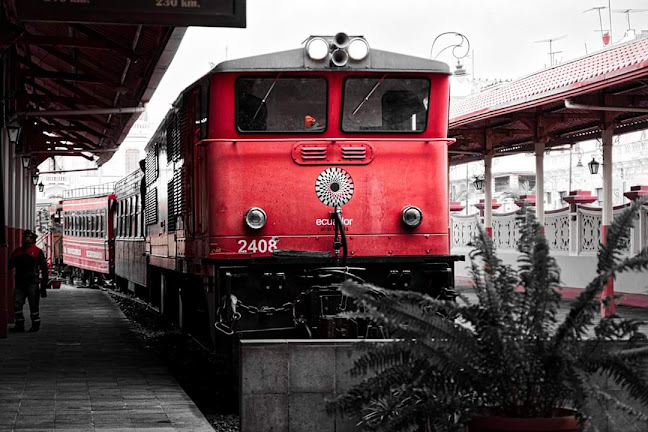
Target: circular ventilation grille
334 187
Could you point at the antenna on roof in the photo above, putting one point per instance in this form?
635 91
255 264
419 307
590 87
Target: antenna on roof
551 51
628 12
605 34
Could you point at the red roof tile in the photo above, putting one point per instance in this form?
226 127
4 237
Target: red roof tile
576 77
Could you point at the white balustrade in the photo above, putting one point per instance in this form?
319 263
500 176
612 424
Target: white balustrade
576 233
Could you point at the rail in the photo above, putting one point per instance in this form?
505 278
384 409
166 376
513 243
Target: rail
90 191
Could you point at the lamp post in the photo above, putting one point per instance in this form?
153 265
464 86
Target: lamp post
456 51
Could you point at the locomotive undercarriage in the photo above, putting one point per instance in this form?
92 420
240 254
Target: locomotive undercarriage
298 300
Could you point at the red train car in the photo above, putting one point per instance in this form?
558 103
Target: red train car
88 232
275 177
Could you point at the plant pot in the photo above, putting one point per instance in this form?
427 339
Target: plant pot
564 421
56 283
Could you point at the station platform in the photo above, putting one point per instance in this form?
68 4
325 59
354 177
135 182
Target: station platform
87 370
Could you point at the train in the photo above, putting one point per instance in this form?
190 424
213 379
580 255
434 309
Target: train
272 179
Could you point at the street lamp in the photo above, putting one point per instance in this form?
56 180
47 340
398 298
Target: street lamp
41 187
478 183
35 178
593 166
13 130
26 160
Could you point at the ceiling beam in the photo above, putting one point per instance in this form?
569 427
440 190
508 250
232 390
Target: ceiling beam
81 64
69 87
73 77
72 42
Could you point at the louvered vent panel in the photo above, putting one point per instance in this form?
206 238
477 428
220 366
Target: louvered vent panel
184 141
151 207
349 152
313 153
152 165
174 143
176 199
171 224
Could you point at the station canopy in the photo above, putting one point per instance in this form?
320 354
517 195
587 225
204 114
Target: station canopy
608 86
77 80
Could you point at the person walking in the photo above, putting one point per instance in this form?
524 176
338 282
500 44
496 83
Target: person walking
28 261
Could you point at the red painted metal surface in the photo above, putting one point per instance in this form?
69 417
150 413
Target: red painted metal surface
90 253
278 173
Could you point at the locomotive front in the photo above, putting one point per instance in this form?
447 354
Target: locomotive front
324 163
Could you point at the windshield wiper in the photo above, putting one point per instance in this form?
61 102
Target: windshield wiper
263 101
366 98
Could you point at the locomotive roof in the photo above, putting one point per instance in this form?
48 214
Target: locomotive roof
377 61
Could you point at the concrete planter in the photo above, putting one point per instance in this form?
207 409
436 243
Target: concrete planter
565 421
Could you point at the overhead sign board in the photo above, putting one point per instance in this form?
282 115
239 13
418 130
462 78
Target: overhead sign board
181 13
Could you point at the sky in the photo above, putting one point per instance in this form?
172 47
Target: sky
502 33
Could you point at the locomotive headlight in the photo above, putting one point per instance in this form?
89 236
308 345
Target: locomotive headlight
255 218
358 49
317 48
412 216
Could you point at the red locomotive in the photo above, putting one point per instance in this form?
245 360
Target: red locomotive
277 176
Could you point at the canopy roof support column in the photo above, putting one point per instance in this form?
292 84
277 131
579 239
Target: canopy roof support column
539 159
488 190
606 220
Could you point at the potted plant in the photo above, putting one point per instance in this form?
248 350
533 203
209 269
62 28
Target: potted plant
504 363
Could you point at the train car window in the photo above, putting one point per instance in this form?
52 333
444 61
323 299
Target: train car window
133 228
380 104
121 218
137 232
274 104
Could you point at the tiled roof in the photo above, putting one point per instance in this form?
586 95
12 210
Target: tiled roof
569 79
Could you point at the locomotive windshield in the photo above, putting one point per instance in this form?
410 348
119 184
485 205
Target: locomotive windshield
274 104
381 104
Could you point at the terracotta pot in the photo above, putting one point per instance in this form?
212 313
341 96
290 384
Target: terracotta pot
56 284
565 421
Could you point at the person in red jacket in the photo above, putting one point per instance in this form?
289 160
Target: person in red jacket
29 261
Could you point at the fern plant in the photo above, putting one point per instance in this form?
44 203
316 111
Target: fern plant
507 354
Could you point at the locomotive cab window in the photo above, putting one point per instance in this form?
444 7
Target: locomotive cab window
381 104
274 104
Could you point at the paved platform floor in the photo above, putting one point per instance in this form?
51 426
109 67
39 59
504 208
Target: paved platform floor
87 370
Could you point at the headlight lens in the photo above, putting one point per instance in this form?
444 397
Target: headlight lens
412 216
358 49
317 48
255 218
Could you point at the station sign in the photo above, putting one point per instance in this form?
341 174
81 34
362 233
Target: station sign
179 13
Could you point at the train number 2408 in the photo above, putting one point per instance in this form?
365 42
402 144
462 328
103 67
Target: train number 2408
260 246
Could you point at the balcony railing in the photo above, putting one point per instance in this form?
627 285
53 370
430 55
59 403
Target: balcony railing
571 230
90 191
